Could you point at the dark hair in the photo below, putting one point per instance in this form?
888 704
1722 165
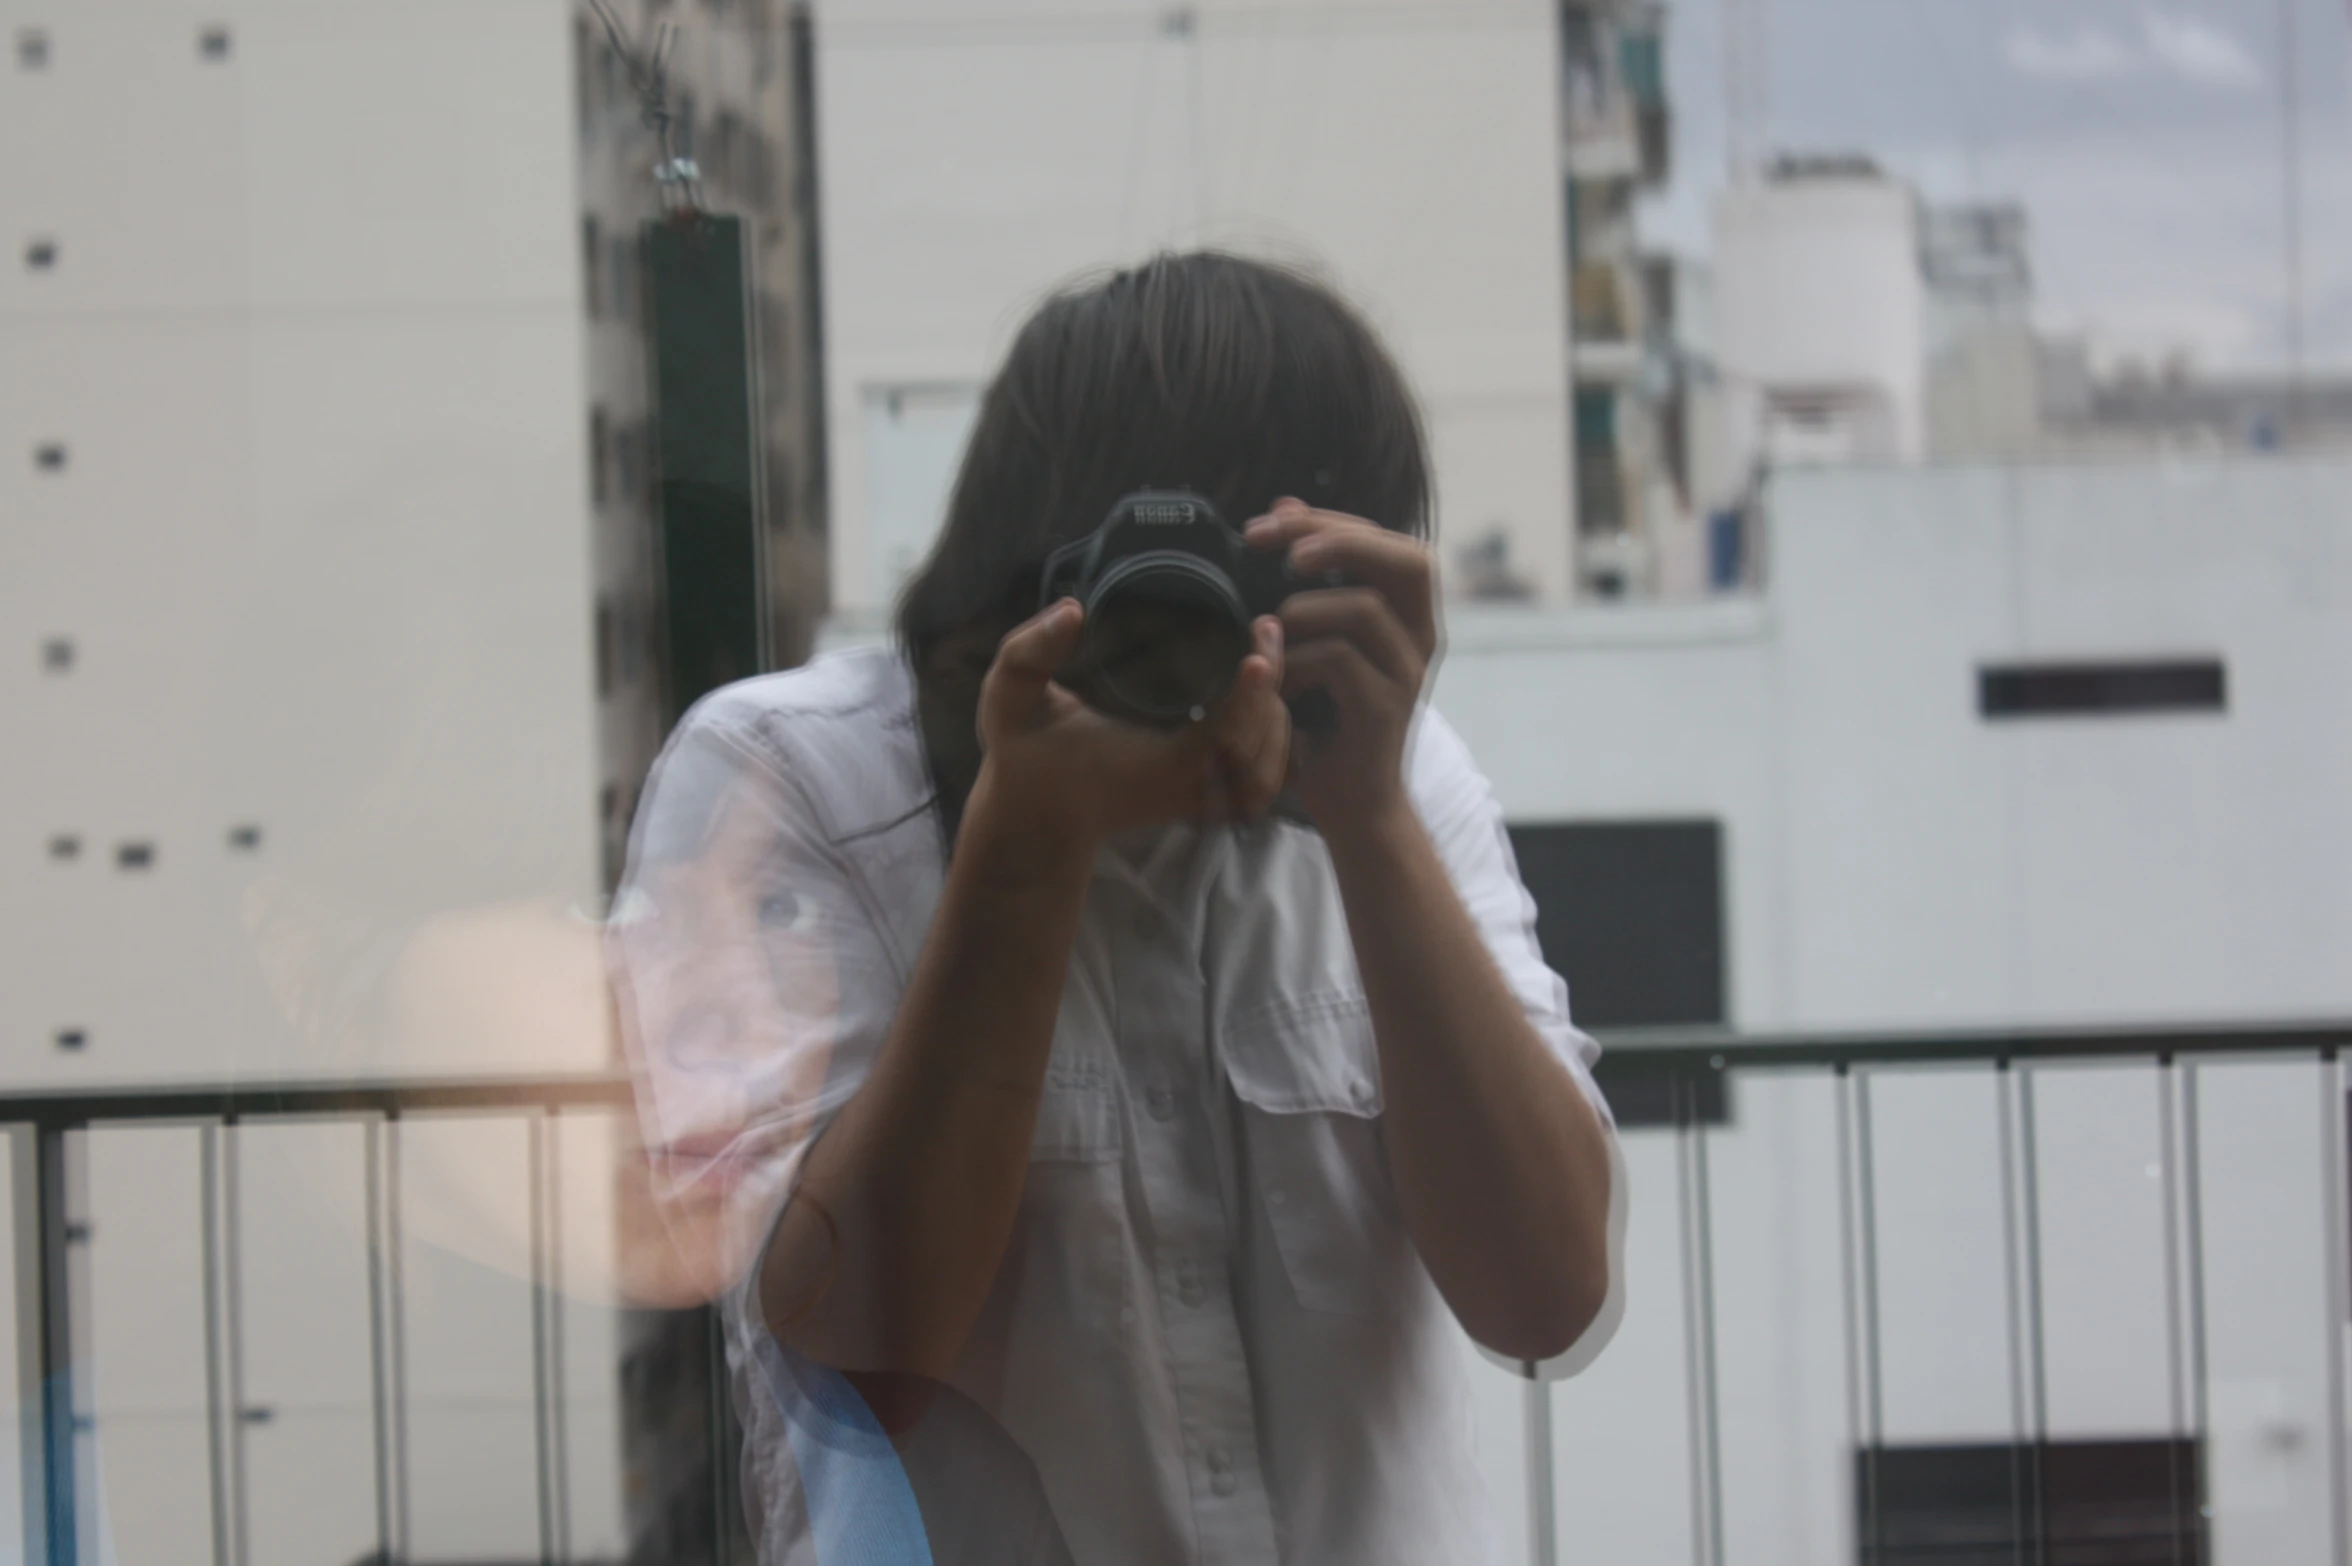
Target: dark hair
1241 380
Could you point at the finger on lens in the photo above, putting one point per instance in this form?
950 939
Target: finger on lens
1332 664
1360 616
1396 563
1041 644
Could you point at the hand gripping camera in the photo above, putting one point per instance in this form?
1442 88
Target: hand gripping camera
1170 589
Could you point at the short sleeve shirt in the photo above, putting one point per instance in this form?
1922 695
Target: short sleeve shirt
1211 1339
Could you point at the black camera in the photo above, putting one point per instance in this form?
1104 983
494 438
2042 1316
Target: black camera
1170 589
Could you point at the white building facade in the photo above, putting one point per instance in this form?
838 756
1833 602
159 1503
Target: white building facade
330 600
1820 316
1895 859
971 164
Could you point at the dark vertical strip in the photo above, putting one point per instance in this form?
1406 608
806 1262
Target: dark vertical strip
2010 1285
2037 1379
1866 1193
60 1491
216 1410
535 1144
704 395
379 1350
722 1517
233 1324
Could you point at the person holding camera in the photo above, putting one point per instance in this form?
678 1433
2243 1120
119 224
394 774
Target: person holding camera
1095 1045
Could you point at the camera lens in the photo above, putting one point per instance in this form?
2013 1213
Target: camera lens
1166 635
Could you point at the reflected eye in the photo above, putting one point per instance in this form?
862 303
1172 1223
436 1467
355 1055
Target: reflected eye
785 911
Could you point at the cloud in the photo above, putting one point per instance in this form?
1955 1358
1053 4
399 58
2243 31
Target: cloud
2088 54
2186 48
2200 53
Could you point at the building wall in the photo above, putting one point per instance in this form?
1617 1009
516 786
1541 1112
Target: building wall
318 354
1894 861
311 343
1413 153
1818 288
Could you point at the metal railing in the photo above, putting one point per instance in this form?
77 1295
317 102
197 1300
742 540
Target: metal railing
51 1363
1693 1078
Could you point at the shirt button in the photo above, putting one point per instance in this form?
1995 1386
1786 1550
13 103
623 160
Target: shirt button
1220 1460
1273 1196
1224 1483
1161 1102
1188 1287
1360 1090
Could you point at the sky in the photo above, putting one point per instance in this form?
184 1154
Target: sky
2144 137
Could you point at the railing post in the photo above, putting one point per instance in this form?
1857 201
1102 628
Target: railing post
2339 1291
543 1411
1698 1291
2023 1471
379 1336
55 1389
2037 1366
559 1418
1543 1522
2184 1324
217 1399
1858 1259
45 1367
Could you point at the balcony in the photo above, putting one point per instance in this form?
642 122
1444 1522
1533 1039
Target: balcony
1618 124
2051 1297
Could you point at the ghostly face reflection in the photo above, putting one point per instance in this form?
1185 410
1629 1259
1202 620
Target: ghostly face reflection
725 973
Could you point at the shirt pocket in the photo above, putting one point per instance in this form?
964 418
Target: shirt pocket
1077 1112
1307 1073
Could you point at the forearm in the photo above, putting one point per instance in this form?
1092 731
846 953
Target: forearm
1501 1165
892 1240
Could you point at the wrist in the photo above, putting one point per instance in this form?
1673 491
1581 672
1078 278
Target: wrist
1014 832
1378 834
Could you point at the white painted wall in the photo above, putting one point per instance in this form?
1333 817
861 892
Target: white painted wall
970 165
1818 286
313 342
1895 861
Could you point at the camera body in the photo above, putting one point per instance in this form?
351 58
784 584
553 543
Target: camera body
1170 589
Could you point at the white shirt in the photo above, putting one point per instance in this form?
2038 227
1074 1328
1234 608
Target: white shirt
1210 1335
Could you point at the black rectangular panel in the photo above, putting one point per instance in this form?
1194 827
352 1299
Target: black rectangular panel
1631 913
2052 690
2061 1503
706 445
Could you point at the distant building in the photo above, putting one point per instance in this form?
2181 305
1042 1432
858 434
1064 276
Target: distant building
1885 847
1087 137
331 504
1821 316
1983 397
2175 411
740 89
1626 435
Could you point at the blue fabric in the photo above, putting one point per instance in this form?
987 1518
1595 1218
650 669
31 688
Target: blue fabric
861 1508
